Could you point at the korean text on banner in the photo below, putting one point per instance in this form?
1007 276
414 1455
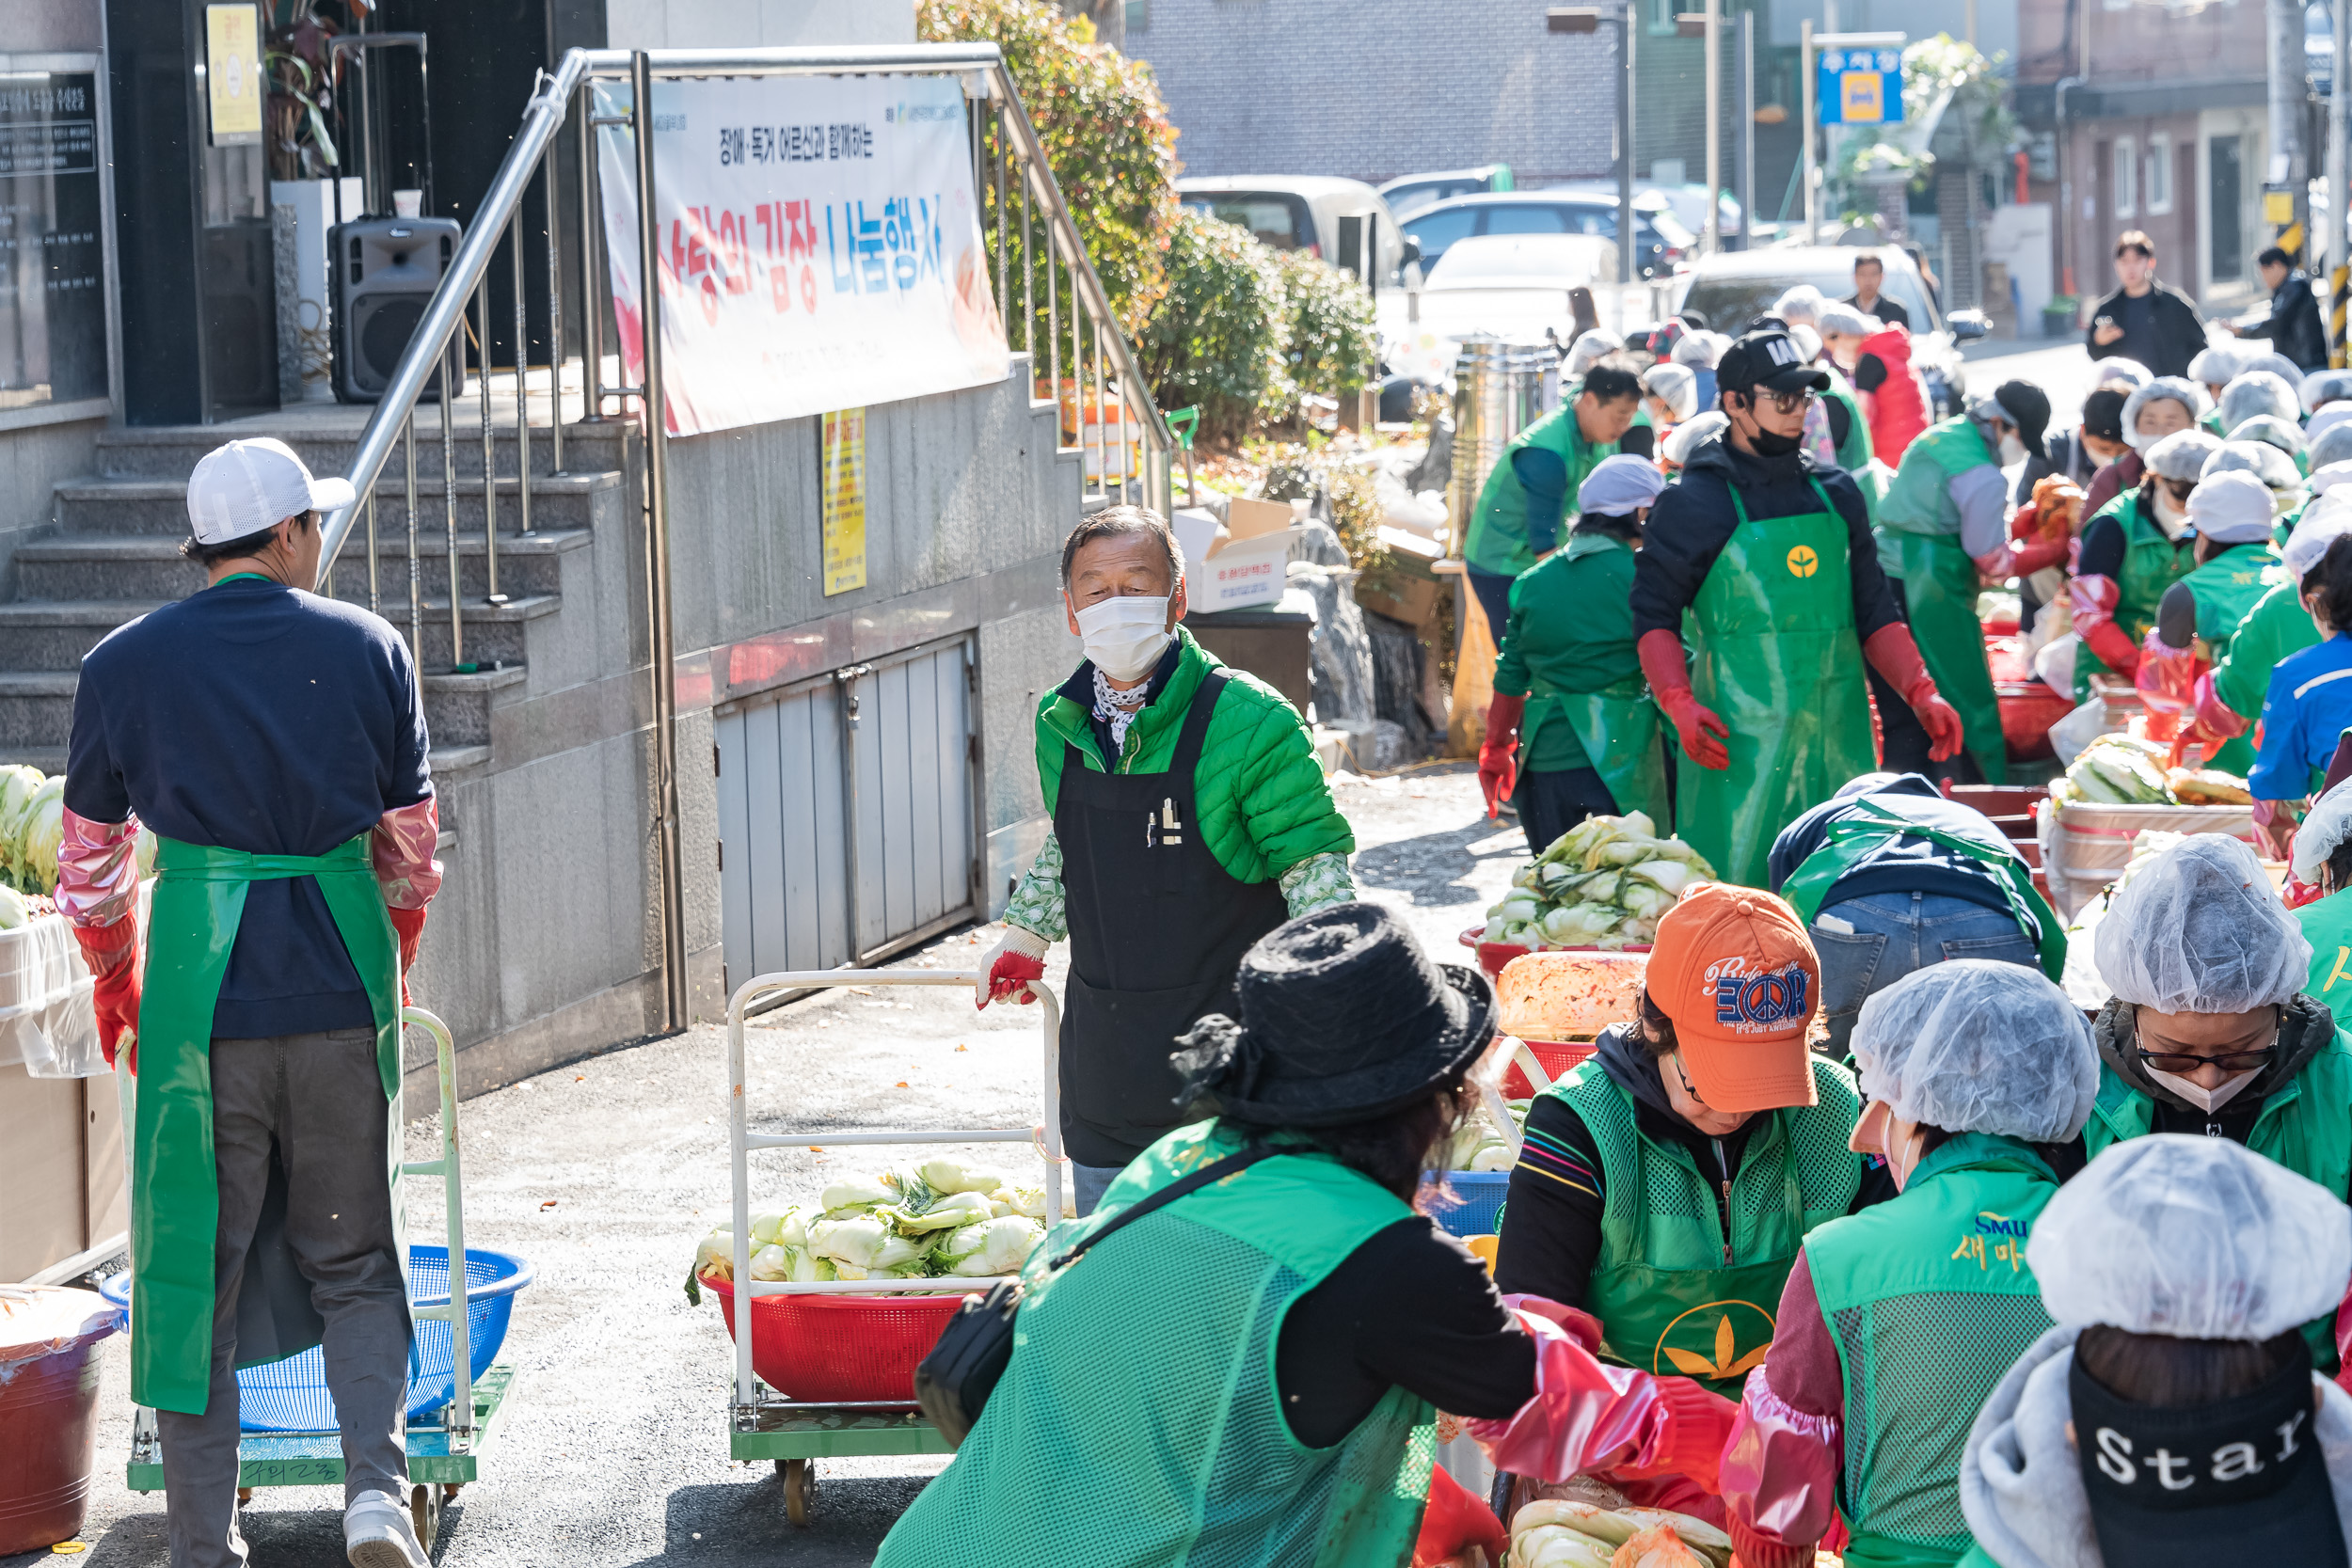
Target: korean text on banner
821 246
844 500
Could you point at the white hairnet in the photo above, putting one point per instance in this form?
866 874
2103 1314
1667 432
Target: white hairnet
2199 930
2274 363
1701 350
1802 303
1972 1045
2329 438
2116 368
2324 387
1846 321
2231 508
1589 346
2259 392
2187 393
2271 430
2259 458
2182 455
1691 432
2325 521
2325 826
1618 485
1807 341
1676 386
2219 365
2192 1238
2329 476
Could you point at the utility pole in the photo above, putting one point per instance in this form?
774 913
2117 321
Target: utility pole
1626 236
1747 129
1714 240
1804 131
2290 171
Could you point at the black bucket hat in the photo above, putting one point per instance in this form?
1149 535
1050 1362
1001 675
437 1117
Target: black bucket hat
1343 1017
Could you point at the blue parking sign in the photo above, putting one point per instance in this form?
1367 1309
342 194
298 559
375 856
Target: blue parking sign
1861 87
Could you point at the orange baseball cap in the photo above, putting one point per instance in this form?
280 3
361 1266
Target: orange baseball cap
1734 969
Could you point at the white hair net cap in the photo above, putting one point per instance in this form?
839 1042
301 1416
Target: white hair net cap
2116 368
2259 392
1807 341
2182 455
1590 346
1676 386
2324 828
1701 350
2231 508
2192 1238
2199 930
2259 458
1802 303
1618 485
2324 387
1690 433
2187 393
1972 1045
2323 523
2271 430
2278 364
1846 321
2329 438
2219 365
2329 476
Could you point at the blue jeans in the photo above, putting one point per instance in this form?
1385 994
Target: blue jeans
1869 943
1087 1184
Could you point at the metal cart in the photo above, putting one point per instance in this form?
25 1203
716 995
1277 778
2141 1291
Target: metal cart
761 1423
443 1454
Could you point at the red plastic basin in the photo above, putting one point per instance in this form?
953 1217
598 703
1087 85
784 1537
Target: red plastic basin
841 1350
1556 1056
48 1414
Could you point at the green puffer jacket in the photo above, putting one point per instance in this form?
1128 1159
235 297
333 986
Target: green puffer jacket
1261 796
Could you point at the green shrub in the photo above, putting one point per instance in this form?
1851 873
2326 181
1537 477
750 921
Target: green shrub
1218 338
1331 341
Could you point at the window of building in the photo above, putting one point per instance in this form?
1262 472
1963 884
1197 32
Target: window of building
2126 177
1138 16
2159 175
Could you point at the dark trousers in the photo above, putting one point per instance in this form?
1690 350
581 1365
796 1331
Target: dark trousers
1551 804
314 1103
1494 597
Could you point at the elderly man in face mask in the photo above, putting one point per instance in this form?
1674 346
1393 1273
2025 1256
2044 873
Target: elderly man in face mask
1190 819
2208 1032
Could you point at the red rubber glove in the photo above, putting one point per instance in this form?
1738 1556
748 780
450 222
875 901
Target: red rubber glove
2274 828
2092 600
2167 682
408 925
2217 720
1697 1425
1701 732
1006 973
1499 753
1895 656
112 953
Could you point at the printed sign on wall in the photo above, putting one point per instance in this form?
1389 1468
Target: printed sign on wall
233 84
819 245
843 504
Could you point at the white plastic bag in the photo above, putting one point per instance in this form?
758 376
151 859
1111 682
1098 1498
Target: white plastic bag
2078 728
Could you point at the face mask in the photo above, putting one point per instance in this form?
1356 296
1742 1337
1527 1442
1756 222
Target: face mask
1770 443
2012 450
2196 1094
1125 634
2171 516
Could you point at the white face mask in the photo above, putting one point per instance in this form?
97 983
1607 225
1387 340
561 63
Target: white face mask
1125 634
2171 516
2012 450
2198 1095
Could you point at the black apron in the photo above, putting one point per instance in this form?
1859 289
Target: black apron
1157 929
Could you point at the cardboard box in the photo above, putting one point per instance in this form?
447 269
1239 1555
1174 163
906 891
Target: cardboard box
1245 572
1254 519
1199 534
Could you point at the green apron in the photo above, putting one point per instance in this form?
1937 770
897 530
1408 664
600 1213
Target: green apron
1619 731
2152 563
2276 627
1931 1302
1673 1295
2226 589
2327 925
1150 1365
1870 828
198 903
1497 539
1918 537
1774 655
2306 1125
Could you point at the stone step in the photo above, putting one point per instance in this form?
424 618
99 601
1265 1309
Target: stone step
36 710
327 445
158 507
53 634
84 566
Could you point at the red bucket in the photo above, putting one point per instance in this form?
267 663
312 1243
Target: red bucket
48 1415
1554 1056
840 1349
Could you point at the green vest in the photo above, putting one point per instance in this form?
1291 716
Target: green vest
2227 588
1498 530
1148 1366
1672 1291
1920 500
2327 925
2276 627
1853 453
2152 563
1930 1302
1572 630
2306 1125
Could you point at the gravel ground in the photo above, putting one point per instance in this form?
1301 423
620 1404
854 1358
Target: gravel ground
605 1173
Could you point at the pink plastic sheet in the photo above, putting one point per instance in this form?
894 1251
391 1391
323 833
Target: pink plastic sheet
98 877
402 844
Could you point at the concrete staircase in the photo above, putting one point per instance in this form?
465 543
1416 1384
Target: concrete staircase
114 556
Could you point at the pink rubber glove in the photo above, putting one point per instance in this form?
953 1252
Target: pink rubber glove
2167 677
1589 1415
1779 1478
1006 973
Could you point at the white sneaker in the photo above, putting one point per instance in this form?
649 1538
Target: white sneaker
377 1533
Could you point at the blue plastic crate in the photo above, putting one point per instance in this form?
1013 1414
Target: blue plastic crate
1482 1192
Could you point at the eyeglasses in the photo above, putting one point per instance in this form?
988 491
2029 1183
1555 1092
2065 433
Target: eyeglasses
1686 1088
1792 402
2180 1062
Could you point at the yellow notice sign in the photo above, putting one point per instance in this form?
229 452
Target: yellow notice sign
1861 97
234 87
844 499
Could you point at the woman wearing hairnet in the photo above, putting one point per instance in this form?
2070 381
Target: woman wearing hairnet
1670 394
2133 548
2208 1032
1897 1321
2219 365
2257 391
2172 1417
2323 859
2230 695
1569 701
2153 411
2269 463
2322 387
2230 515
2308 705
1894 403
2286 435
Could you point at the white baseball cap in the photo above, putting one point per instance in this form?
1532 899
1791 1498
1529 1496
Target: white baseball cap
247 486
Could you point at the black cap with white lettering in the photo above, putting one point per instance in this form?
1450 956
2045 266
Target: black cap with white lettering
2239 1479
1768 359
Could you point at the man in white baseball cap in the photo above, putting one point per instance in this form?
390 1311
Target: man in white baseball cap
275 743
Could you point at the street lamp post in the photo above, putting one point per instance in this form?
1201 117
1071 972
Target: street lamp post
1588 19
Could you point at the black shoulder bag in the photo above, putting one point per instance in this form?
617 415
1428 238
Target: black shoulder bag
953 1381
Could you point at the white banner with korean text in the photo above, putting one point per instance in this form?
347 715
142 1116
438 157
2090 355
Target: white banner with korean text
819 245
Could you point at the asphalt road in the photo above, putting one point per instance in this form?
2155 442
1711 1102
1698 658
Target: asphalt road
2061 368
606 1172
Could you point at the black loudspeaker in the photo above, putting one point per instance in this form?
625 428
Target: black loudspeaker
386 270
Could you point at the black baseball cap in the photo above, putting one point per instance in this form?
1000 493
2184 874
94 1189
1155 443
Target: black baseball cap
1768 359
2103 413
